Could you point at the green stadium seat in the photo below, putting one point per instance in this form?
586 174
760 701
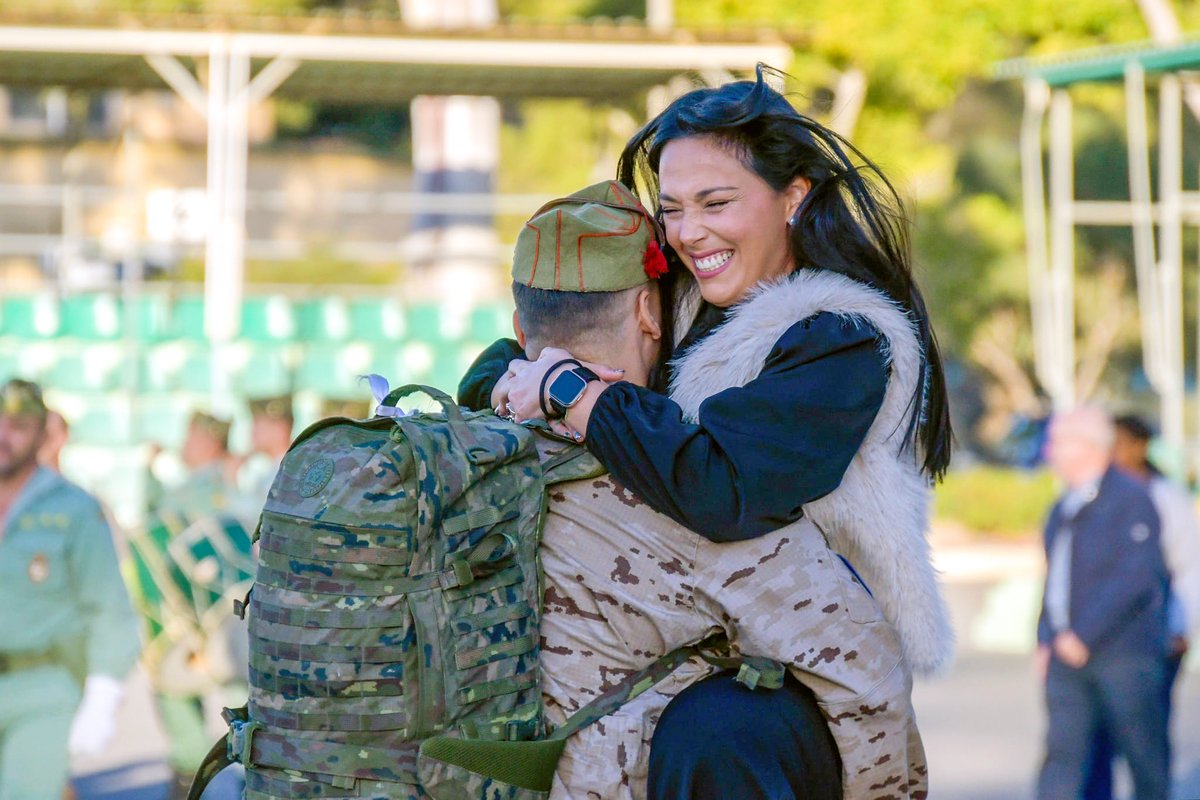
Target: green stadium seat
267 319
187 318
332 370
323 320
152 317
162 418
92 316
92 367
264 371
161 365
95 418
196 369
377 319
491 322
29 316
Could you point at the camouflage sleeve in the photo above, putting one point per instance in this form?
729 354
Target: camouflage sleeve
111 641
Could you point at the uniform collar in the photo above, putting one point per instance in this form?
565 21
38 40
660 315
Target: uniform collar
41 481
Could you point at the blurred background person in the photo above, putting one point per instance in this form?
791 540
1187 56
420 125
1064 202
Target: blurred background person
271 424
57 434
192 560
60 679
1103 626
1180 540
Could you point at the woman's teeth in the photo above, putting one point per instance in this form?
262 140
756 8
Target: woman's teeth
713 262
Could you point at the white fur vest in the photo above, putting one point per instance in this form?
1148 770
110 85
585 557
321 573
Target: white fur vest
879 515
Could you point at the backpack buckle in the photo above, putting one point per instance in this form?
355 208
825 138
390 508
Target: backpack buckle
241 741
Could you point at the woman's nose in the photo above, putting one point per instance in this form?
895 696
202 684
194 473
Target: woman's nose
690 232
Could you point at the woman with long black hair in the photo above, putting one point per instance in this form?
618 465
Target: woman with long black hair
805 380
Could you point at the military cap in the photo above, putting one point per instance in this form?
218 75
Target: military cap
276 408
599 239
21 398
210 424
339 407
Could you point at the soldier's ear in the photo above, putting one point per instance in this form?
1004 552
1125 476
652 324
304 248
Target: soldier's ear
649 311
518 330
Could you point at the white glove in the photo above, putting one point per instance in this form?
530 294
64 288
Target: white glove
95 721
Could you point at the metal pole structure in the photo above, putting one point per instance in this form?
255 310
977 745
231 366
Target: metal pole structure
1037 99
1170 264
660 15
1142 226
220 322
1062 252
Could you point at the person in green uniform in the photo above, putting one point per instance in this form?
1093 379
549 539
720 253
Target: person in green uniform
191 561
68 635
271 424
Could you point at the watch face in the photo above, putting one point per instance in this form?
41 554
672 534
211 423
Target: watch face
566 389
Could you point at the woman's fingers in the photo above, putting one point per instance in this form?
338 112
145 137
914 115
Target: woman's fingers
606 374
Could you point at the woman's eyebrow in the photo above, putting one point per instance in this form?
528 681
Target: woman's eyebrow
700 195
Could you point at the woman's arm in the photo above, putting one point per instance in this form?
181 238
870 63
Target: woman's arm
475 389
761 450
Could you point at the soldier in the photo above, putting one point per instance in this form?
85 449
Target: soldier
270 437
67 624
192 560
626 584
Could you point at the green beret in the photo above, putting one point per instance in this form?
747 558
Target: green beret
20 398
214 426
276 408
600 239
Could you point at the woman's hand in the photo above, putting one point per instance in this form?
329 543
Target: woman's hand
528 380
500 390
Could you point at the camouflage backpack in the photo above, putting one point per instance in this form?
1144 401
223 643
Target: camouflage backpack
394 618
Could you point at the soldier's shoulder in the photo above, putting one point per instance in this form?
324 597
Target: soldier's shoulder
70 497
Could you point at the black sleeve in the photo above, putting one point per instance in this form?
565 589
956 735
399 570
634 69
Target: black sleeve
475 388
761 450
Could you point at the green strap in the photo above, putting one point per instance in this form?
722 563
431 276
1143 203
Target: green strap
623 692
219 756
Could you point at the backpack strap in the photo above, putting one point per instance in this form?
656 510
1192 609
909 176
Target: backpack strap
219 756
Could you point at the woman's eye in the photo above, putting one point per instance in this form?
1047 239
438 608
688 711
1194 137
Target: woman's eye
667 212
717 204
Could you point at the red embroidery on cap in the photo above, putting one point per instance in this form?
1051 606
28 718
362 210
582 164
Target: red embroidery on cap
654 262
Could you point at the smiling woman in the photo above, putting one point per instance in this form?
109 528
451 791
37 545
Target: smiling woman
805 380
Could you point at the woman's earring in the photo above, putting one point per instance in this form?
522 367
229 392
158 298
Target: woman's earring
792 220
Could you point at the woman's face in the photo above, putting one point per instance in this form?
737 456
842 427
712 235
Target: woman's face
726 223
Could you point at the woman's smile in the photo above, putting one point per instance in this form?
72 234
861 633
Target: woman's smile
709 266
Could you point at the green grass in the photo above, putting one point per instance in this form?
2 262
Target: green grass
996 501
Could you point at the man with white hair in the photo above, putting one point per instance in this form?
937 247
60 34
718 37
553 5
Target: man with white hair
1103 627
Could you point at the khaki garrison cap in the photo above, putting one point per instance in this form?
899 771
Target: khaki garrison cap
600 239
276 408
20 398
215 427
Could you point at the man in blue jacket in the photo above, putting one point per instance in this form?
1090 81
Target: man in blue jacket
1103 627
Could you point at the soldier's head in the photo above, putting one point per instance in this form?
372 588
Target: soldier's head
1131 447
22 427
271 422
1079 444
585 278
207 440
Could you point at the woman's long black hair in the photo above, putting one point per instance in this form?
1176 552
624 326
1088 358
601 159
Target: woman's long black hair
851 221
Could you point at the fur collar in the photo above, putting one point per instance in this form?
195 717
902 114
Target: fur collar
878 517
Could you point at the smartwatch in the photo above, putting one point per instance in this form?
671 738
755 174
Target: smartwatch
567 389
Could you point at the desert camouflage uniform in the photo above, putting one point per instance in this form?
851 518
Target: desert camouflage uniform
626 585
